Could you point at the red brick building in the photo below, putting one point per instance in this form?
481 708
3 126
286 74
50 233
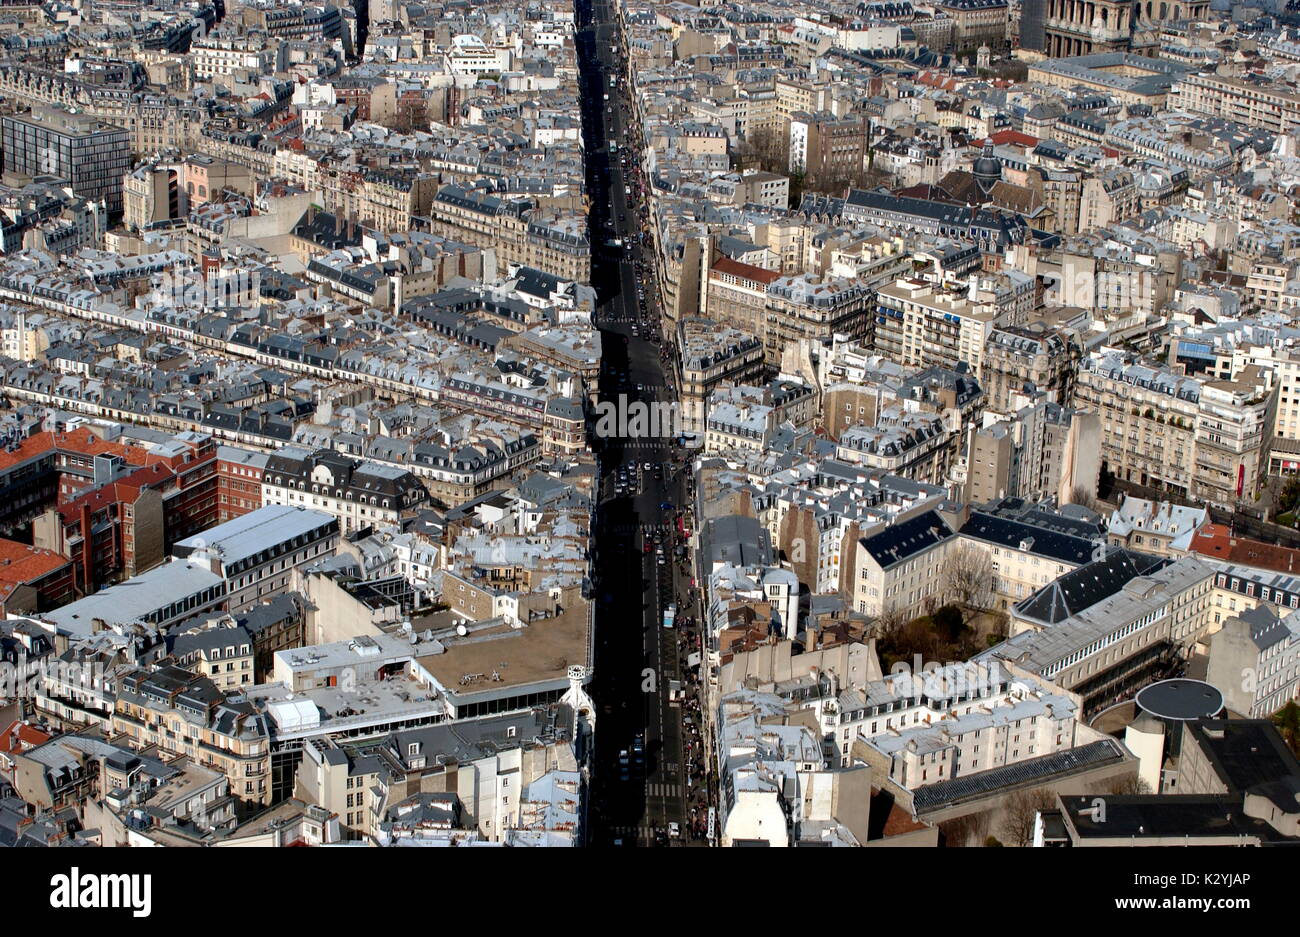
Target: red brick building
119 508
239 481
33 579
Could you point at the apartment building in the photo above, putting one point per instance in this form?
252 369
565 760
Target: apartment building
151 194
1039 356
918 324
1148 420
386 200
737 425
713 356
211 56
735 295
826 147
1197 438
358 493
239 481
980 732
484 788
183 713
519 232
223 654
818 308
901 567
1255 660
1284 438
120 518
919 445
1160 528
1041 451
1231 425
1249 101
1108 198
258 552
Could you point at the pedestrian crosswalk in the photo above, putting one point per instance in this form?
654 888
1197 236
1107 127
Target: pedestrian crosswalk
663 789
661 442
643 832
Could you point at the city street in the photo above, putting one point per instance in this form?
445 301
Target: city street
642 781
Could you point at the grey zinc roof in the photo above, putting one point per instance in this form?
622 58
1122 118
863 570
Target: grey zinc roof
1033 770
250 534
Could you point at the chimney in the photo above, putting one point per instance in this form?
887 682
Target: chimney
352 225
338 223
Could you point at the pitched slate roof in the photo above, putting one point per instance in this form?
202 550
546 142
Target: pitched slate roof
1021 536
1084 587
900 542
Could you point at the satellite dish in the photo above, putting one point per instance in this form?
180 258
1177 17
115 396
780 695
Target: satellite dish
462 630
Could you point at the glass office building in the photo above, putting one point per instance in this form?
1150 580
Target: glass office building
86 152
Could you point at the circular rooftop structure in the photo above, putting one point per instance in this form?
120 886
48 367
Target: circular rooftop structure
1180 700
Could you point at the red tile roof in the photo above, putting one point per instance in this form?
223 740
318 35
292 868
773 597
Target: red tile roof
1217 541
19 736
1014 138
21 563
745 271
81 441
126 489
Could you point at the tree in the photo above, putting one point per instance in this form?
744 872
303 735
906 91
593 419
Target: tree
1287 720
765 148
1020 814
891 620
1083 497
965 830
949 624
1128 785
968 576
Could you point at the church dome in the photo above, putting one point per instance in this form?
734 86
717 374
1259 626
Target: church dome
987 169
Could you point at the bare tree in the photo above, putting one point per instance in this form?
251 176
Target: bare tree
892 619
1128 784
1083 497
968 576
1021 812
765 148
965 830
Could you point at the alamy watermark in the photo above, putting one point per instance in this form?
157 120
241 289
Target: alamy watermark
623 418
950 681
188 288
26 681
